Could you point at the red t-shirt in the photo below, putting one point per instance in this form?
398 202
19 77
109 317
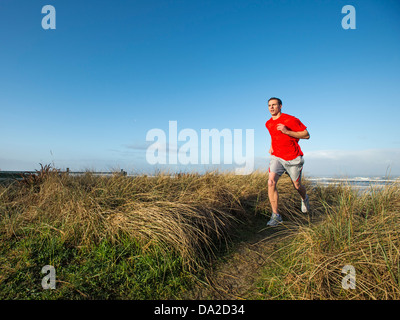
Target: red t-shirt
284 146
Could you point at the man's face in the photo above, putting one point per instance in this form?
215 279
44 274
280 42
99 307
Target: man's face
274 107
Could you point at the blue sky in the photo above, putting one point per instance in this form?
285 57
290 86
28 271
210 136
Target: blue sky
85 95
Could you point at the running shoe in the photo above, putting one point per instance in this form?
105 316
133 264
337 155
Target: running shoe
275 220
305 205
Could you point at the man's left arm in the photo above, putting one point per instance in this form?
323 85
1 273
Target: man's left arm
294 134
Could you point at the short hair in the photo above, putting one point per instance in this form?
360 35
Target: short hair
273 98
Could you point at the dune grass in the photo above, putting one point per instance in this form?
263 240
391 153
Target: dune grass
357 229
118 237
145 237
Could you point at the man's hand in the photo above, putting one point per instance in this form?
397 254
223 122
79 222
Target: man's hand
294 134
282 128
271 151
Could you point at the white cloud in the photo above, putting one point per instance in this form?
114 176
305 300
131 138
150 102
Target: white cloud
369 162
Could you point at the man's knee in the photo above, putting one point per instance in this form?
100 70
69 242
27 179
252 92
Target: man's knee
297 184
272 183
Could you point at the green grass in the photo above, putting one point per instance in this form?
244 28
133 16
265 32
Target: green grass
154 237
117 237
361 230
104 270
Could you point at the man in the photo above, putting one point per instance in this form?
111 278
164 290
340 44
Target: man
286 155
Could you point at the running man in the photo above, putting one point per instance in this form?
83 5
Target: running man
286 156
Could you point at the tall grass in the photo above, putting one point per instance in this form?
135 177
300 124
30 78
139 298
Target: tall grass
186 213
170 226
361 230
144 237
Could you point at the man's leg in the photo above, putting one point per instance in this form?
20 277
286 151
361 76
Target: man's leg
273 191
300 189
275 171
305 204
295 169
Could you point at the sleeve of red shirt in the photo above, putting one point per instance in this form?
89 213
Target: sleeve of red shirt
296 125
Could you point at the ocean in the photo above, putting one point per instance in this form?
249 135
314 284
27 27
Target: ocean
358 183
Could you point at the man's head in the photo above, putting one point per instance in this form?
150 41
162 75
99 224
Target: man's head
274 106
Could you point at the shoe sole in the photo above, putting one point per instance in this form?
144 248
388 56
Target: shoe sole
275 224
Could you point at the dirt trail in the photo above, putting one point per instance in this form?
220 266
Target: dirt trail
234 277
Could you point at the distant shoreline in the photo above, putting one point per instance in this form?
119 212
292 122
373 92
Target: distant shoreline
325 179
358 183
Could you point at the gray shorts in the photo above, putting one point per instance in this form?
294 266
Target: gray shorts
293 167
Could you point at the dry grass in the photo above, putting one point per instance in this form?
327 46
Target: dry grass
193 215
361 230
188 213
